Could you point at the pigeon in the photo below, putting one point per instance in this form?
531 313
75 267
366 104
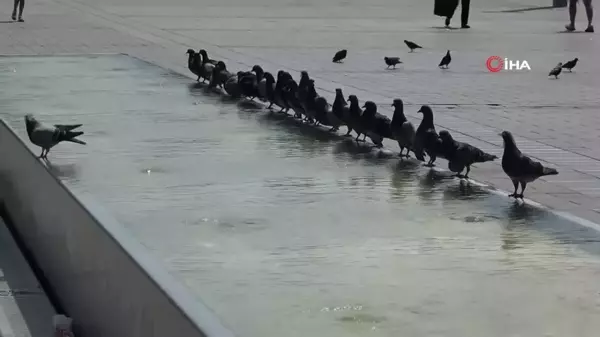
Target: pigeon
205 57
355 121
290 98
194 63
340 55
392 61
445 61
308 102
324 114
462 155
303 92
427 140
377 126
571 64
556 70
412 45
267 89
402 130
342 110
46 136
282 78
519 167
206 66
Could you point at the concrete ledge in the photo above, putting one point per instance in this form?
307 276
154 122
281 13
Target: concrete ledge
24 308
104 279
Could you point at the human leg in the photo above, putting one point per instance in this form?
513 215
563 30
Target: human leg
21 6
572 14
589 11
464 17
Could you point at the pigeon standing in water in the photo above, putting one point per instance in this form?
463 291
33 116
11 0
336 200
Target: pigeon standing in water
556 70
445 61
570 65
402 129
519 167
412 45
427 140
462 155
340 55
46 136
392 61
194 63
355 121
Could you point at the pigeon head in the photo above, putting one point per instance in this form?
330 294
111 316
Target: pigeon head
304 74
398 103
203 52
575 59
279 74
190 52
559 65
445 135
221 65
30 123
321 103
370 106
353 99
508 139
425 110
258 70
448 52
269 77
338 91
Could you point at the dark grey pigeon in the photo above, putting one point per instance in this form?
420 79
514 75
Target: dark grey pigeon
402 129
445 60
392 61
47 136
462 155
412 45
556 70
519 167
340 55
570 65
427 140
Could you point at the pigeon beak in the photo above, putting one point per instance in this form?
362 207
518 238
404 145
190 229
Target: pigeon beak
419 112
500 134
364 106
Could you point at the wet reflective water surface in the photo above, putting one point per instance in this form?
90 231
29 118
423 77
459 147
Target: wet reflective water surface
287 231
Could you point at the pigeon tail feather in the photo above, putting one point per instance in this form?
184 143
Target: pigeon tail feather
68 127
548 171
69 136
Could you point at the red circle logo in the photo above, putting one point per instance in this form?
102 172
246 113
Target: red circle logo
494 63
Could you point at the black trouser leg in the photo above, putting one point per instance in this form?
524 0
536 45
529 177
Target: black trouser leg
464 17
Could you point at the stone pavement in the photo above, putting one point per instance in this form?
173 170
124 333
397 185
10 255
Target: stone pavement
553 120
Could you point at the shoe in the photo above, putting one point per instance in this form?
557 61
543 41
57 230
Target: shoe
447 22
589 29
570 27
21 19
14 16
465 26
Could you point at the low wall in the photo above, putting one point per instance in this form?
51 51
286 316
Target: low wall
104 279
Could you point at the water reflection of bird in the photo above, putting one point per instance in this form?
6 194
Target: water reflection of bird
403 175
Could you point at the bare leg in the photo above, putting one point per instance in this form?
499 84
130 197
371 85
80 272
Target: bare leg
589 11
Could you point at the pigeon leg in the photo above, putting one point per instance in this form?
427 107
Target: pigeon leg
270 105
42 154
348 133
401 150
523 186
514 194
198 79
388 67
364 137
431 160
411 50
357 138
468 170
